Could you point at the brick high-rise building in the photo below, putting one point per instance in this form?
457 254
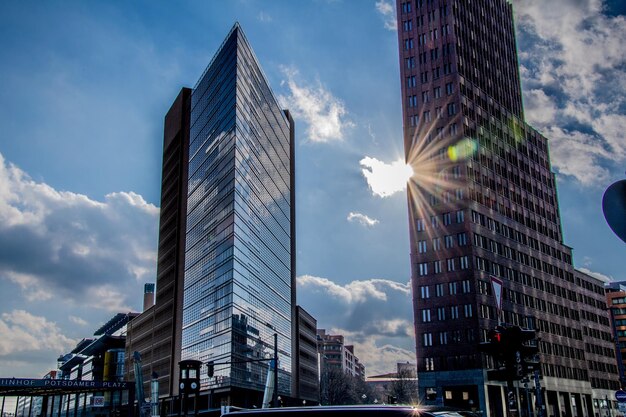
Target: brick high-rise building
483 203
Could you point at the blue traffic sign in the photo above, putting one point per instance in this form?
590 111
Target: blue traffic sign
620 396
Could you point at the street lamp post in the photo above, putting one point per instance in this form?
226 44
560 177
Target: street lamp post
275 396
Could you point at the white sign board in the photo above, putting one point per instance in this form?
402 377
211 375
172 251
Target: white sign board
496 285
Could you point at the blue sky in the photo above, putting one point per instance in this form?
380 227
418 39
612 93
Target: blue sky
84 88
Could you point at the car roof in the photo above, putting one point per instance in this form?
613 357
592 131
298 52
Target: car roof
349 411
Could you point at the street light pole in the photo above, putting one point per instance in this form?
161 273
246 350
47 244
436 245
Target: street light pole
275 396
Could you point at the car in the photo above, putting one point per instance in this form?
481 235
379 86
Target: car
349 411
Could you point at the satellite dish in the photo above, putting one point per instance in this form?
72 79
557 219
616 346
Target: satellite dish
614 208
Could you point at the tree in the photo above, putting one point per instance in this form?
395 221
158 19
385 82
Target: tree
404 387
336 387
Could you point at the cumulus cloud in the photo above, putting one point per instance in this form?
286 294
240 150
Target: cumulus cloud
375 315
22 332
386 9
384 180
597 275
324 114
58 244
574 77
362 219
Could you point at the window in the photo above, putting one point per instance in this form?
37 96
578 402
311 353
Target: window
423 268
414 120
438 112
406 7
447 218
453 129
439 290
420 225
454 312
411 81
436 243
451 109
428 339
459 194
441 313
408 43
460 216
449 88
437 92
434 222
443 338
450 262
437 267
412 101
427 117
429 364
421 245
464 262
424 291
410 62
408 25
426 315
447 68
436 73
424 77
425 97
434 54
467 309
453 288
449 241
466 286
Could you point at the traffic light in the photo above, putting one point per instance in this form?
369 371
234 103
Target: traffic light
210 369
515 352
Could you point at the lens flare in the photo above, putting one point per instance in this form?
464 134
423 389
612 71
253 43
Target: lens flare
462 150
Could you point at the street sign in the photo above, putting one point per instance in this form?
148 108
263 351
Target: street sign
620 396
496 284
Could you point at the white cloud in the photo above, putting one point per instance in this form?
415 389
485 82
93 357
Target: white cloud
597 275
577 155
539 107
58 244
362 219
22 332
384 180
572 59
264 17
387 10
78 320
375 315
324 114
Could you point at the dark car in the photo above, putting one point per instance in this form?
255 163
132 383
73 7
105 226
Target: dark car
348 411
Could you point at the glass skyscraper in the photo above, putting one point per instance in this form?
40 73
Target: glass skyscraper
239 282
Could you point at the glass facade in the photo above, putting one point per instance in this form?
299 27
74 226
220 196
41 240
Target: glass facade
238 270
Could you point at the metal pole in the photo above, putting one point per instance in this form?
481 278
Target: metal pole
538 395
275 370
527 396
2 408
